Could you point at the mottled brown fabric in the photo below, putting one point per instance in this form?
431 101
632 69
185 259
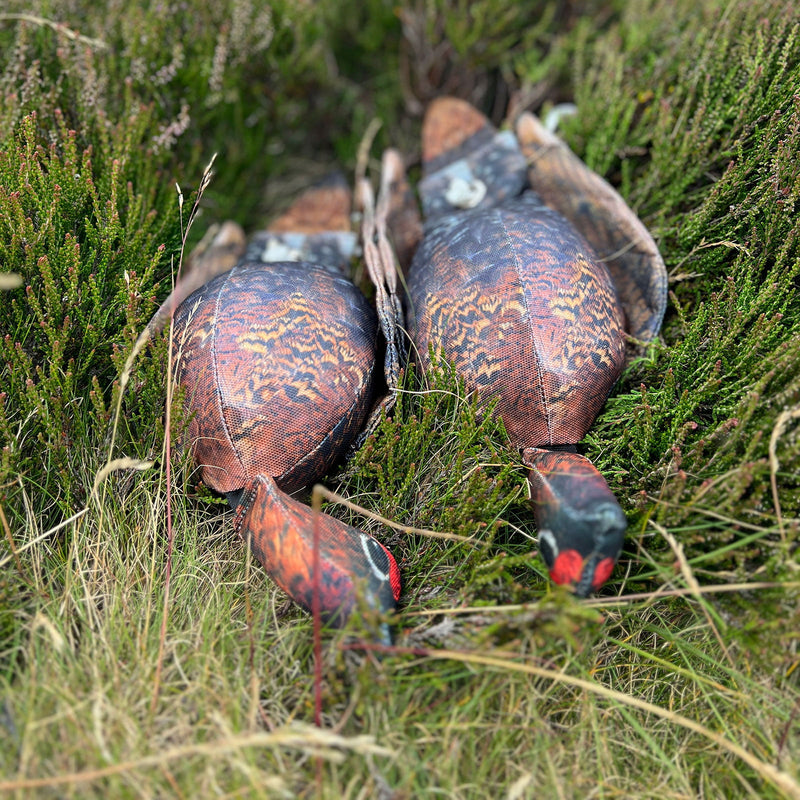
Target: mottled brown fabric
517 300
276 362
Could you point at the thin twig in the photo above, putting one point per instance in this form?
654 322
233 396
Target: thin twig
168 478
323 743
709 513
11 544
118 464
45 535
780 426
58 27
362 155
786 728
316 609
453 537
205 180
621 600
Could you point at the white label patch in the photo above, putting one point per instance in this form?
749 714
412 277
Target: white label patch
463 193
278 251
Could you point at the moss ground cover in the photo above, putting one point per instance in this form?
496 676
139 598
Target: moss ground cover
681 680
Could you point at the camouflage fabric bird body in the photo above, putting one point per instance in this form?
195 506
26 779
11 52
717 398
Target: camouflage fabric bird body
512 290
277 364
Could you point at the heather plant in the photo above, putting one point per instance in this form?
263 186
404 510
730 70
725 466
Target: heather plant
78 241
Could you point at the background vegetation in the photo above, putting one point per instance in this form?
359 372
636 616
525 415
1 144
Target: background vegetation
511 688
